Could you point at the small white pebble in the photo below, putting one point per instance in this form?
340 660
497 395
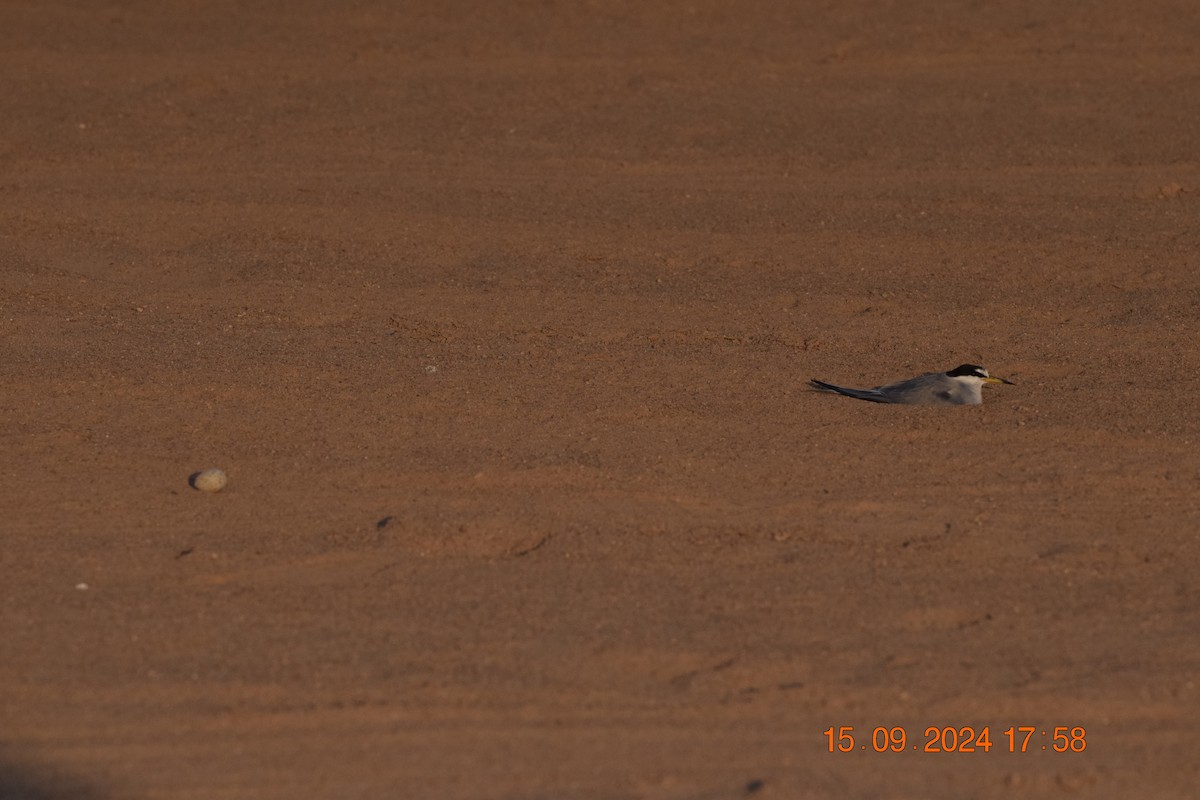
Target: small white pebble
430 369
81 587
210 480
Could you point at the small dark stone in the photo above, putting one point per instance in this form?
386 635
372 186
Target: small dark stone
755 785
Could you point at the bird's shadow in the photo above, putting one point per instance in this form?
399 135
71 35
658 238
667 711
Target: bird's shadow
25 782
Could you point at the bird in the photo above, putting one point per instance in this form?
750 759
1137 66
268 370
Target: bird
961 386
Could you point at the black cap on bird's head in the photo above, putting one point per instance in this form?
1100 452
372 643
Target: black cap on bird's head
974 371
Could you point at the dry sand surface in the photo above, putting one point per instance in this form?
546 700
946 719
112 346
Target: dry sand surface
499 317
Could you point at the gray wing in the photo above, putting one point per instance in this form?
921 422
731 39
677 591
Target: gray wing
873 395
930 389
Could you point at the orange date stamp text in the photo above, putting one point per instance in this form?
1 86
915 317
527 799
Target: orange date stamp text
957 739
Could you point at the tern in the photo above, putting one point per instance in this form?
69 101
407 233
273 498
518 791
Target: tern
961 386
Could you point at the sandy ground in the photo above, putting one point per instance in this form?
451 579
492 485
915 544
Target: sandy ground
499 317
